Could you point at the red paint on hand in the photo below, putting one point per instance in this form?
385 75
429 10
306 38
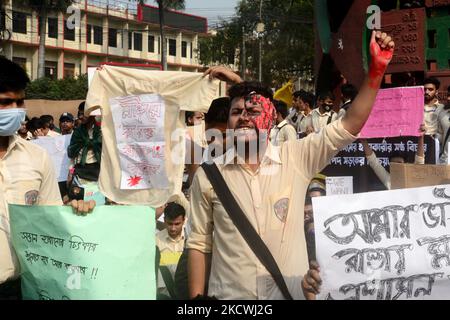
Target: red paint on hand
380 58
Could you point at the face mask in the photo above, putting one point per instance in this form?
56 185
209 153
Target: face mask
98 119
10 121
327 107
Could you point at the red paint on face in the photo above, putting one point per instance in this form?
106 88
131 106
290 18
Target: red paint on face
265 119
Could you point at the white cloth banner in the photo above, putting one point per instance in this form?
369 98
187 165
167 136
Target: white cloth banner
57 149
139 127
384 245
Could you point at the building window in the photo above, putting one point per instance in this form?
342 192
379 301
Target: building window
172 47
190 46
53 28
69 70
98 35
130 40
138 41
89 33
151 43
51 69
432 39
184 49
21 62
69 33
159 45
112 37
19 22
432 65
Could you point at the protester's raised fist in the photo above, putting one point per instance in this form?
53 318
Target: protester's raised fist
223 74
381 49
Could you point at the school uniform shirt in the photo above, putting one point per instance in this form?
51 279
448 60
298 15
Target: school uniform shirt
443 127
27 177
319 120
282 132
170 250
273 199
343 110
430 117
53 134
181 91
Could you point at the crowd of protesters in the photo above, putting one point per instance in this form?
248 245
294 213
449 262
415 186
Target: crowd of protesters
200 252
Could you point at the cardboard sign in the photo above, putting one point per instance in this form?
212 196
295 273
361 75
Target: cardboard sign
404 175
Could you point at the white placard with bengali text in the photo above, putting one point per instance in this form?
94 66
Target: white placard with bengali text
384 245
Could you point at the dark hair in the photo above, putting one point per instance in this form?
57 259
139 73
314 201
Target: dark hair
308 98
34 124
349 91
242 89
299 93
12 76
325 95
281 108
187 115
174 210
432 80
218 111
47 119
308 200
81 106
448 89
398 154
322 191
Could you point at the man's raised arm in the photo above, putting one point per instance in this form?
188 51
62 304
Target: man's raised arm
381 52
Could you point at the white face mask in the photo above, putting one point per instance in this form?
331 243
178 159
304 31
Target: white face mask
11 120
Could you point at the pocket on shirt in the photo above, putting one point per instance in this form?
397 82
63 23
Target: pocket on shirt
280 203
24 192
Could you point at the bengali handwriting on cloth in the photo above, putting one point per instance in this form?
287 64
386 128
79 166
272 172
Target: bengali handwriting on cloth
139 127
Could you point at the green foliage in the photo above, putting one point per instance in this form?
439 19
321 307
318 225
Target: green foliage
287 43
62 89
49 5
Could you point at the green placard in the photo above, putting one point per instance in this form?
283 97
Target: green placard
108 254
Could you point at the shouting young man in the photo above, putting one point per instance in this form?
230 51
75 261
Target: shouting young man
270 191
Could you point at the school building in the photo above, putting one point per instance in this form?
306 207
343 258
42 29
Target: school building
104 33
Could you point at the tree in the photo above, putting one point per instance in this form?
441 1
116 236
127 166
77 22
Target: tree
288 40
43 7
162 6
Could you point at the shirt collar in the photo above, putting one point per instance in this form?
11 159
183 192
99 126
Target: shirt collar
272 154
13 141
282 123
436 104
180 237
328 113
